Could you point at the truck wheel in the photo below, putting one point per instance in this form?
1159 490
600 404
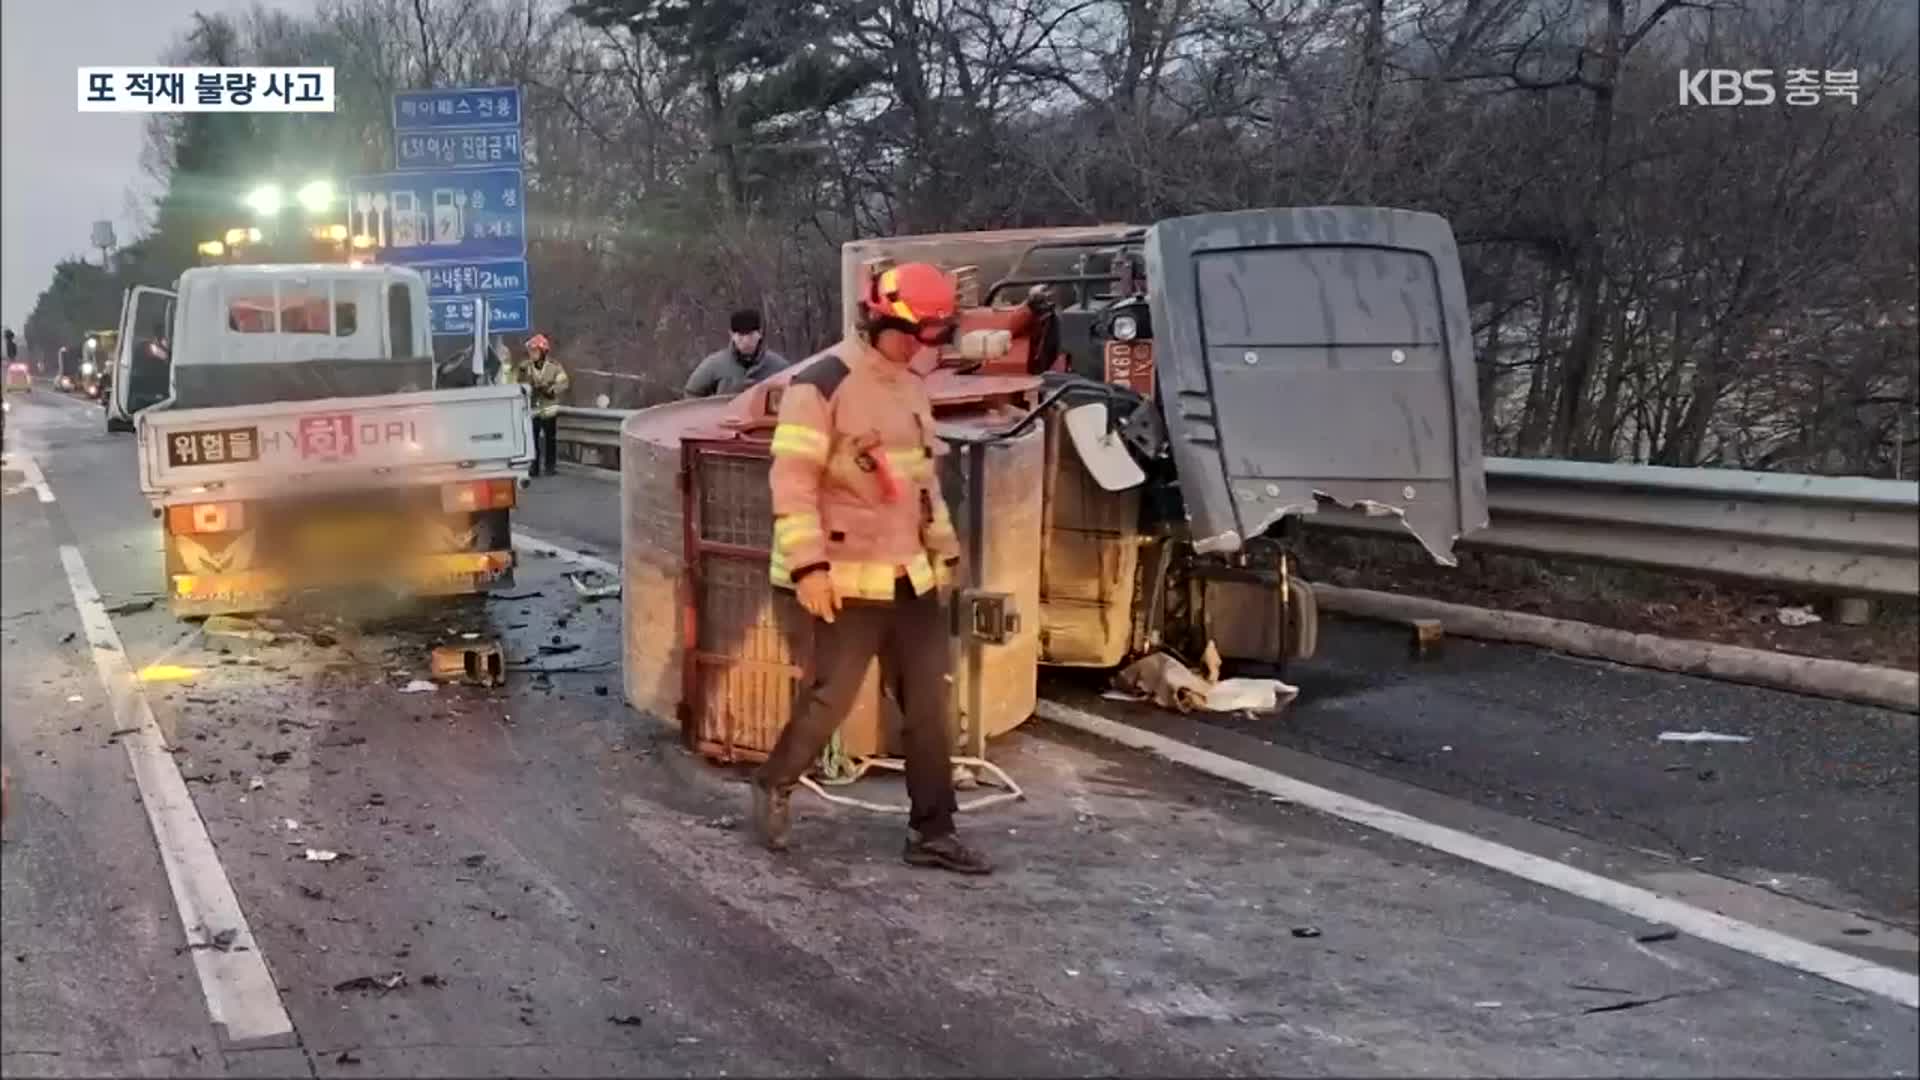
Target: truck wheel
1304 615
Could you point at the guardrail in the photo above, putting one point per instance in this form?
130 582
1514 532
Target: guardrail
1847 535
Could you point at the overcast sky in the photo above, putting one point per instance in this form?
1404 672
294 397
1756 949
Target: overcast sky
61 169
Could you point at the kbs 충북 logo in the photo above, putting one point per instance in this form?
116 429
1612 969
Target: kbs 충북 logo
1758 86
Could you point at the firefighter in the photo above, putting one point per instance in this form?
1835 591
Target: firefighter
862 536
546 380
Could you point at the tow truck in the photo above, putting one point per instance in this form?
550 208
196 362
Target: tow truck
295 434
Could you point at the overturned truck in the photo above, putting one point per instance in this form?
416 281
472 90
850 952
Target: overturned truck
1137 422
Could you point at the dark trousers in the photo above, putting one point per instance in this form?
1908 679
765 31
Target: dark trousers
910 637
546 449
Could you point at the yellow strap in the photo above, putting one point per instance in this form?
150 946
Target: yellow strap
870 580
798 440
920 573
913 462
794 530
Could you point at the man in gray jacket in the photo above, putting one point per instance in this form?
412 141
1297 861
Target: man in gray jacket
742 363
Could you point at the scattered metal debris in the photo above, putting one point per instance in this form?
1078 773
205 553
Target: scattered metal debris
132 607
228 626
625 1021
1658 934
222 941
479 663
594 585
322 855
1702 737
386 983
419 686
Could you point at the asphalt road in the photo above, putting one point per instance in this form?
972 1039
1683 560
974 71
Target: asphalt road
566 892
1822 804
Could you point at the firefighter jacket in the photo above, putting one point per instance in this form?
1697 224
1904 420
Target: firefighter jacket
856 494
547 382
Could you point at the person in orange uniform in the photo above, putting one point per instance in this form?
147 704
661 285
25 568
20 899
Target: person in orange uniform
863 537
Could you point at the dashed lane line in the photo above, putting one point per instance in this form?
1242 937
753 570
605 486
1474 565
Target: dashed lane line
26 466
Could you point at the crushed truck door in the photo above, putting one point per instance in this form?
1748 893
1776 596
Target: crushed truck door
142 378
1317 359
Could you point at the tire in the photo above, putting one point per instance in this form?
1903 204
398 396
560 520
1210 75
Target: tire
1304 633
115 425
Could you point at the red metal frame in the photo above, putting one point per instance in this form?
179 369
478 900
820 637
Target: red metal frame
698 550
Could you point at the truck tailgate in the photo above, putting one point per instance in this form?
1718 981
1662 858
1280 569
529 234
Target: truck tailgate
1318 356
341 439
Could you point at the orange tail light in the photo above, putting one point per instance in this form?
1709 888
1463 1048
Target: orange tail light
475 495
213 517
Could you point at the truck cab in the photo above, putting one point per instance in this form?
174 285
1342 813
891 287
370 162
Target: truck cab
292 437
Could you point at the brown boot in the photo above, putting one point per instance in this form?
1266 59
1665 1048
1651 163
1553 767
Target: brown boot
772 815
945 853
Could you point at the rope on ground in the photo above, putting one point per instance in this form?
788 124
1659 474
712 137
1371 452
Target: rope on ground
835 766
1012 792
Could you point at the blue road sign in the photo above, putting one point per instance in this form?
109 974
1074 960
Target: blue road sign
442 216
454 315
464 149
503 277
463 107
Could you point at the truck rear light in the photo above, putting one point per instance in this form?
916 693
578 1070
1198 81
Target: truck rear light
473 496
209 517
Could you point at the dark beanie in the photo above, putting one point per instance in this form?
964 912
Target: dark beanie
744 321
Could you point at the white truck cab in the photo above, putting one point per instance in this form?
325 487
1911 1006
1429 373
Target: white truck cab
292 437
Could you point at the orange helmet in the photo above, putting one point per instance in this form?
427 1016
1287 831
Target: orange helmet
539 341
916 298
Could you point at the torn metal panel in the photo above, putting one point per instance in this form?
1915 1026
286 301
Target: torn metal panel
1314 351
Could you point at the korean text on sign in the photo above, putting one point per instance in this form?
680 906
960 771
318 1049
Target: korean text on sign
223 447
206 89
453 149
415 110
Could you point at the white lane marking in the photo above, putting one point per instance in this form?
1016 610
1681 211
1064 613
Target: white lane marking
528 543
240 992
1745 937
30 468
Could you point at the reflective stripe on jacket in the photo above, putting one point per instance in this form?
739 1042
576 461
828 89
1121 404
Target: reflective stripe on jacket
855 490
547 383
